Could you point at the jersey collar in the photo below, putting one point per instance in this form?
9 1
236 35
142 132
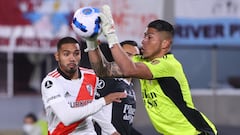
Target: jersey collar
65 76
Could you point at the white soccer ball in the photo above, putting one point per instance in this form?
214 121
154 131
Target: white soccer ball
86 22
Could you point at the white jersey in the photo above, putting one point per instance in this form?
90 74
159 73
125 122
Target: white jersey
57 87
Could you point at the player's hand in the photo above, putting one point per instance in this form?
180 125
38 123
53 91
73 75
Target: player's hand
91 44
116 133
115 97
107 25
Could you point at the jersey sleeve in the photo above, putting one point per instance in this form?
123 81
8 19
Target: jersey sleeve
69 115
51 92
158 68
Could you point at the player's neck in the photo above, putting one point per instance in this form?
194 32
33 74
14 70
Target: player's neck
70 76
73 76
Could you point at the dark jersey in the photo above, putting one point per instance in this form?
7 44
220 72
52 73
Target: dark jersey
120 114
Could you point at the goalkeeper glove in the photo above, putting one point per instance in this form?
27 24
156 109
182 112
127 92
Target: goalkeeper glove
91 44
108 26
92 41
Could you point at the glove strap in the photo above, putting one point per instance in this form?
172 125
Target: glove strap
112 40
91 45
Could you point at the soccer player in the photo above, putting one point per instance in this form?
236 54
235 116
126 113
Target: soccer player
68 95
121 115
165 89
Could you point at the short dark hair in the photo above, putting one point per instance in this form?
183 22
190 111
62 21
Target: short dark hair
32 116
162 25
66 40
130 42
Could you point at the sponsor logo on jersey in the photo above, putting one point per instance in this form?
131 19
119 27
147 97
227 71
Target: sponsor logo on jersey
128 112
48 84
149 99
79 103
101 84
53 97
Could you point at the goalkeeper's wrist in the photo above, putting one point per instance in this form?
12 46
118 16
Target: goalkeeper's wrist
91 45
112 40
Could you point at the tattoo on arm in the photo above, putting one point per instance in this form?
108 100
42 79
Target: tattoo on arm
99 69
114 70
106 69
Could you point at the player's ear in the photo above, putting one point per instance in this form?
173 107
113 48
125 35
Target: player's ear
56 55
166 43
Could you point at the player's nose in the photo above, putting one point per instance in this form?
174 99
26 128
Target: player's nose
72 57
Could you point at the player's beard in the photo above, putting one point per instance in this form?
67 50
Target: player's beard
68 69
71 70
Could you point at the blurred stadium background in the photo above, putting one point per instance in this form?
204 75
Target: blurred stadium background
207 42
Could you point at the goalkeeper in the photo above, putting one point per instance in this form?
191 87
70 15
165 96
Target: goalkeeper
165 89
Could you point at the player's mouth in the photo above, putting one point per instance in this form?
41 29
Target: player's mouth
72 65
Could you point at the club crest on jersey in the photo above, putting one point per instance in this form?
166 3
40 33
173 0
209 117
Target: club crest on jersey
48 84
155 62
89 89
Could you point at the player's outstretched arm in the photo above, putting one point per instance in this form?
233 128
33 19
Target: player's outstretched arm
98 62
102 67
115 97
69 115
127 67
59 105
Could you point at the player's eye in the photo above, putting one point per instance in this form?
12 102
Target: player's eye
129 54
76 53
65 54
147 36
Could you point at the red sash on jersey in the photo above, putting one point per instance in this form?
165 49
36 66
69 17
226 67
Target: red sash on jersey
86 92
61 129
